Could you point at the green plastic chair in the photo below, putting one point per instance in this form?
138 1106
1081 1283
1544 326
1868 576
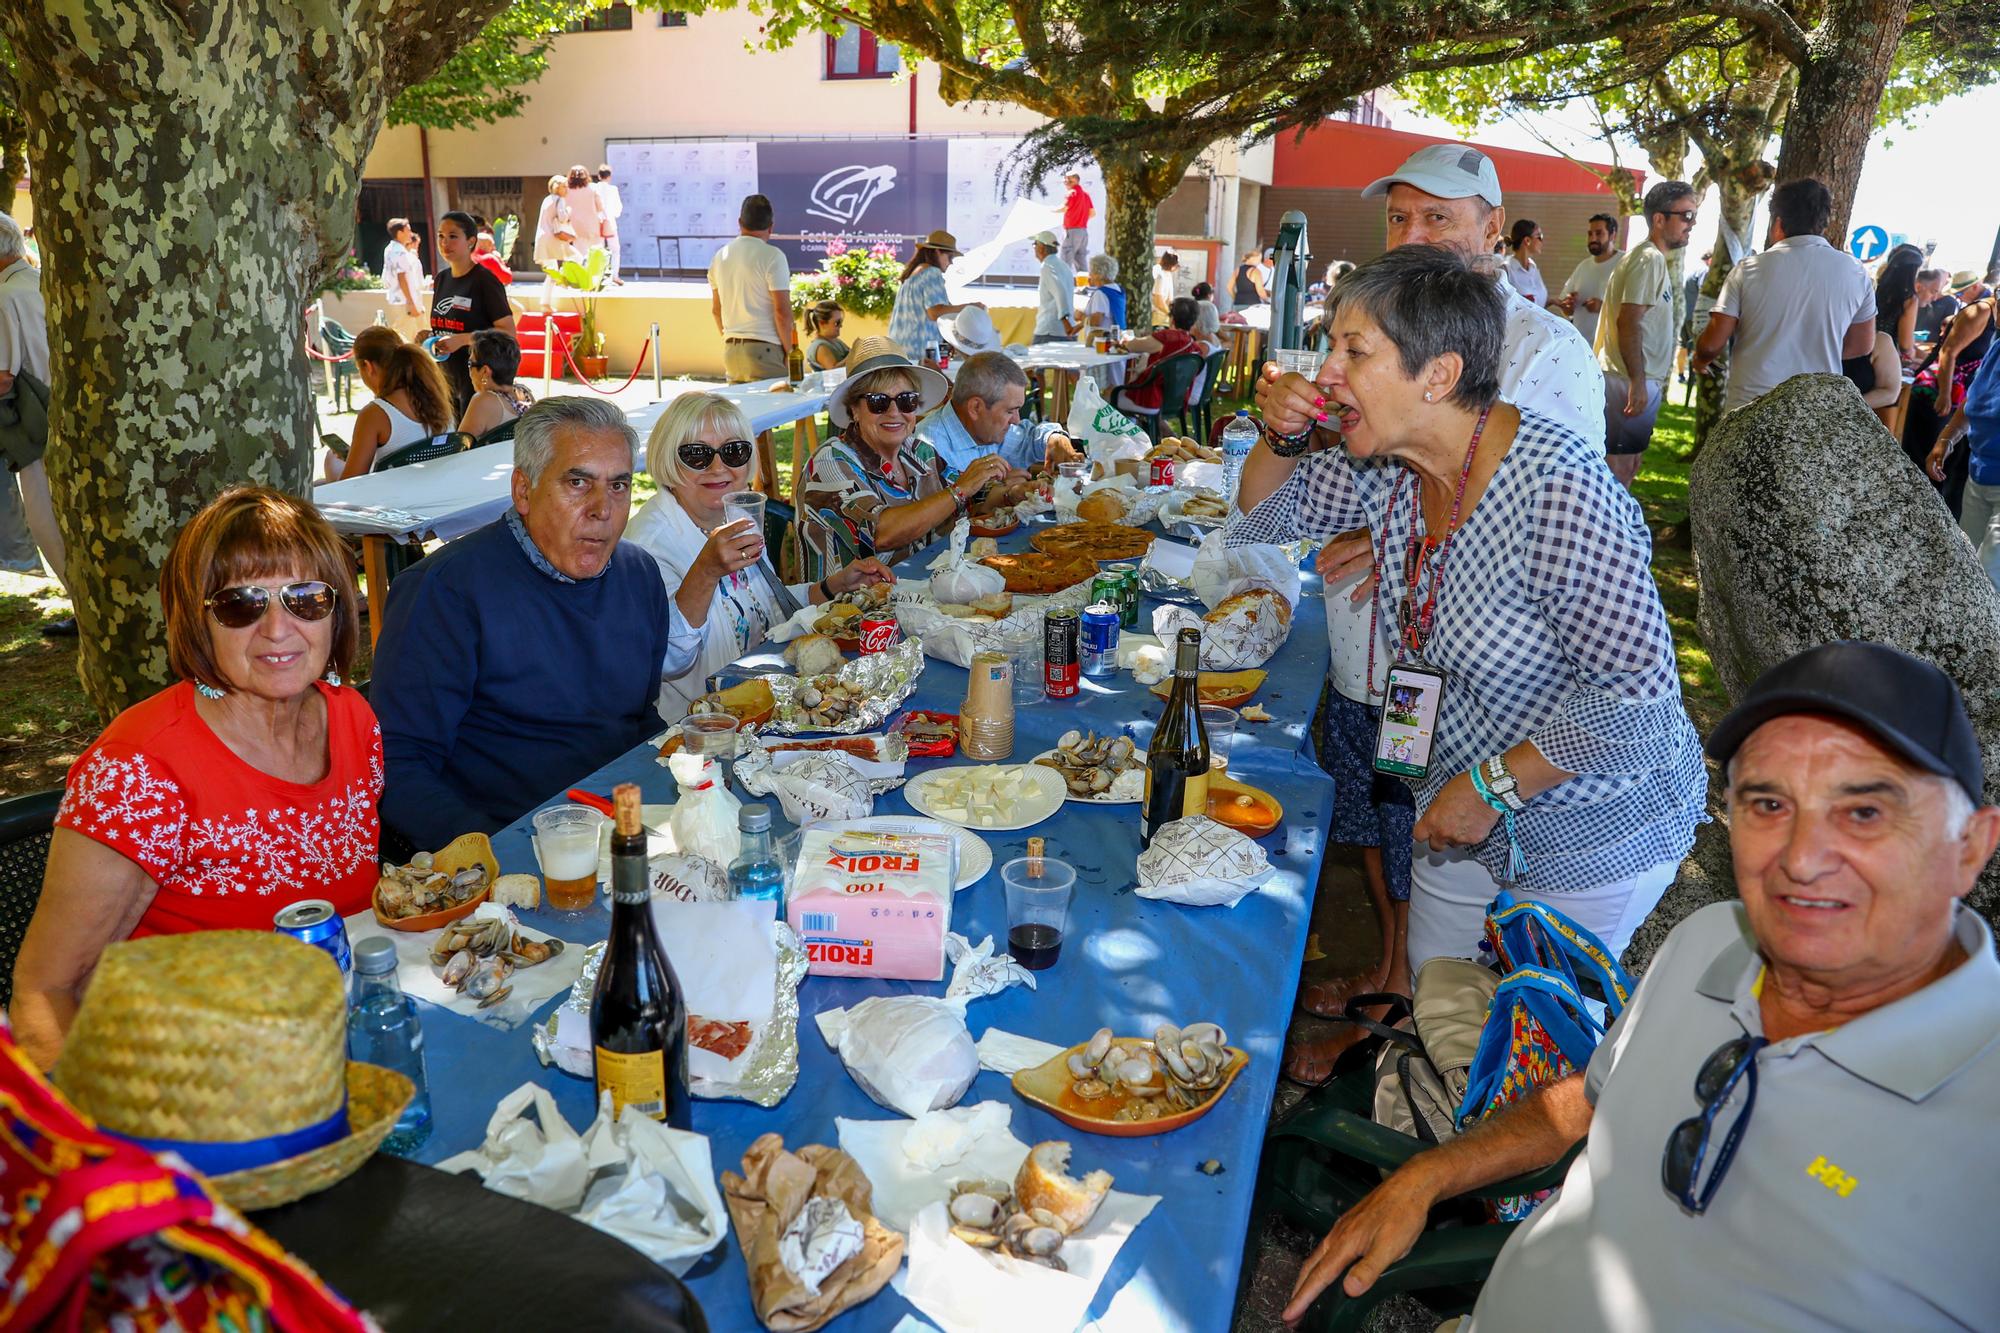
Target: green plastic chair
1175 376
500 434
335 340
438 446
1323 1157
27 825
1204 408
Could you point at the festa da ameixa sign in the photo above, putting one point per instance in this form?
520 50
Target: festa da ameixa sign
681 198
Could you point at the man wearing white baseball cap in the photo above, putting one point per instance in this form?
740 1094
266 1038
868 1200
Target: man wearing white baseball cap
1055 303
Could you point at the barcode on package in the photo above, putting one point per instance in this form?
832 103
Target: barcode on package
812 921
654 1109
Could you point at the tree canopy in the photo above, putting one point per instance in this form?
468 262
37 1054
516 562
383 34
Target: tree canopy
487 78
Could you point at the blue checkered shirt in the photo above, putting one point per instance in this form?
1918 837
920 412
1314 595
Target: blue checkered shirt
908 322
1550 630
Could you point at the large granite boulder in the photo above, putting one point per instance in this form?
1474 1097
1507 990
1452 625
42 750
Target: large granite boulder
1811 524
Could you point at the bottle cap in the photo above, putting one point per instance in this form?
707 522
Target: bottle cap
754 818
374 955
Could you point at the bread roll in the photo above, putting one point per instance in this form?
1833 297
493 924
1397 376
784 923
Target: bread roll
1256 602
999 605
1043 1182
813 655
982 547
1101 507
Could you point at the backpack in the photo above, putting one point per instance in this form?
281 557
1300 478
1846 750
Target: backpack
1428 1046
1540 1026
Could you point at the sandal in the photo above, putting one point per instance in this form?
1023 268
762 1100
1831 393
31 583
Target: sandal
1313 1049
1327 996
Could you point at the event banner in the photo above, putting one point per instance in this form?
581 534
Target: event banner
681 197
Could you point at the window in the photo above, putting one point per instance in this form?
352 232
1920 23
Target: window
854 53
612 18
673 18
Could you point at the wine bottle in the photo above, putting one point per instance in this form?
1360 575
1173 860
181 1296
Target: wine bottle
638 1021
1177 758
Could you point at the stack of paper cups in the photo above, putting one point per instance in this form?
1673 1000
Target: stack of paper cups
986 718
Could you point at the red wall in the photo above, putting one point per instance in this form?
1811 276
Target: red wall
1339 154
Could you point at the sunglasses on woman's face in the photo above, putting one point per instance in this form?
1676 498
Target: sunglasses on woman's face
240 608
907 401
736 453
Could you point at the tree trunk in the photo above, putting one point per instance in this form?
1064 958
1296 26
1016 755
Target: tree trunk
1134 188
13 156
196 169
1840 86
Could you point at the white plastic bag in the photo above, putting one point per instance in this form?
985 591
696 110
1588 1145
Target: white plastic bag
704 819
910 1053
815 789
958 580
1107 434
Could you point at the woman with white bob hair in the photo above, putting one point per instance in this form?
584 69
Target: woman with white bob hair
700 451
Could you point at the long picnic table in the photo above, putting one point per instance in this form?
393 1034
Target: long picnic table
442 499
1128 963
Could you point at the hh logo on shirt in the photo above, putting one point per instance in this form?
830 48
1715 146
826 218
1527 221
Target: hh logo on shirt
1831 1176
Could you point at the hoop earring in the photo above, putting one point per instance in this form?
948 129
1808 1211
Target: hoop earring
208 691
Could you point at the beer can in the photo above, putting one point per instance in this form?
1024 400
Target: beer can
1162 472
1105 587
1099 630
1127 575
877 633
1061 642
313 921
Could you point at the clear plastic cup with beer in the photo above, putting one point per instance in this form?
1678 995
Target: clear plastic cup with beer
566 838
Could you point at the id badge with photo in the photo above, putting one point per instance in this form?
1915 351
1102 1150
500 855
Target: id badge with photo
1407 726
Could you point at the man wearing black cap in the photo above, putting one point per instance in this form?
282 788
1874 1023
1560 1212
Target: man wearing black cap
1813 1069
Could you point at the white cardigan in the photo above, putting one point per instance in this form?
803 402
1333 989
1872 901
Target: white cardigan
739 615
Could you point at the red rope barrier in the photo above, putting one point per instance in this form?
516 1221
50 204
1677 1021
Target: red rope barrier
637 365
347 355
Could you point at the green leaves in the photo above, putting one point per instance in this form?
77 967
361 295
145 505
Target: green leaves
487 78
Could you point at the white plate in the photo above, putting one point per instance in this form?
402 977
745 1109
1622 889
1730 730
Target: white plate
1047 800
1102 799
975 858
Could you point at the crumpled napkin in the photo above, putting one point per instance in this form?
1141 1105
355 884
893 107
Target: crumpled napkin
776 1185
649 1185
414 973
913 1163
1009 1053
815 789
957 579
910 1053
820 1239
1198 862
976 970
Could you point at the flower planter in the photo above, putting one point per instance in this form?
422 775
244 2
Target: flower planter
594 367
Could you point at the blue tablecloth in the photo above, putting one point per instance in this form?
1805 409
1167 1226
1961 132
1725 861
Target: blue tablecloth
1127 963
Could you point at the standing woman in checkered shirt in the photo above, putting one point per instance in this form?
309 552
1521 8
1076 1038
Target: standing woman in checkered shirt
1508 558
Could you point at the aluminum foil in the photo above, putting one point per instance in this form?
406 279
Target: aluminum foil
771 1065
885 678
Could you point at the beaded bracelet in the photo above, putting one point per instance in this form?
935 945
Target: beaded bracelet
1287 446
1517 860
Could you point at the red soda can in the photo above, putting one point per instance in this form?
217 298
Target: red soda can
878 633
1163 472
1062 667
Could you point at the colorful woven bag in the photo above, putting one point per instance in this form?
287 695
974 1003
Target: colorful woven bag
1540 1027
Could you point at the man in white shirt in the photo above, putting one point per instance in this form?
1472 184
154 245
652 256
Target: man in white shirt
752 298
1638 342
1165 273
1583 295
1055 296
403 280
612 206
1799 308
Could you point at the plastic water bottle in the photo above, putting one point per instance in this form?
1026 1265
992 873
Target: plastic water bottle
755 873
1237 438
382 1029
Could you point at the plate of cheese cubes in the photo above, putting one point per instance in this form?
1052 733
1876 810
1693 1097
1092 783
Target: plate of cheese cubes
989 797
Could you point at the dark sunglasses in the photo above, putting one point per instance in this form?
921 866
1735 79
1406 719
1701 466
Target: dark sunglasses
240 608
1680 1165
907 401
736 453
1686 215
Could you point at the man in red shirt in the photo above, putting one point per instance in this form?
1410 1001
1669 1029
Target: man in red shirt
1077 208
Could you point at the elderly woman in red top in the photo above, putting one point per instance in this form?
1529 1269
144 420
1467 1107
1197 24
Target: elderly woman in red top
247 786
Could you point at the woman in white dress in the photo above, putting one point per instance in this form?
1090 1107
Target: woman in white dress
1524 247
700 450
555 233
412 402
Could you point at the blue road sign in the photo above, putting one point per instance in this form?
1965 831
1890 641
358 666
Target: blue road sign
1869 242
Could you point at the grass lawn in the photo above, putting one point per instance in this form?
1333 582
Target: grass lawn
45 720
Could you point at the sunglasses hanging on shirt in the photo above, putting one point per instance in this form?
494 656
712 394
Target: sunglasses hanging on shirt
735 453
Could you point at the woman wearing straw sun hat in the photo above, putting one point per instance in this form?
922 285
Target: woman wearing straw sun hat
878 488
922 295
228 1048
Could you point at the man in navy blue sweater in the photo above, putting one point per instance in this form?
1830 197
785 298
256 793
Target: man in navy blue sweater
528 654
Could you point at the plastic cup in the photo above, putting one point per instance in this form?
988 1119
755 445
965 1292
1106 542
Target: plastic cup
745 504
1024 651
1071 478
712 734
1220 723
566 838
1038 894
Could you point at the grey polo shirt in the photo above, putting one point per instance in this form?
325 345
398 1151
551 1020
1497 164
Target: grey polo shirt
1862 1191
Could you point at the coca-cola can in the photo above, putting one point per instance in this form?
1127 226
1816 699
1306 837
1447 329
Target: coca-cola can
1163 472
1062 667
878 633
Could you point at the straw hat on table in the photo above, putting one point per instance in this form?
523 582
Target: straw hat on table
229 1047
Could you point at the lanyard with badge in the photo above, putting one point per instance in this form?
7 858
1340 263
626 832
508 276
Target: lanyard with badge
1413 696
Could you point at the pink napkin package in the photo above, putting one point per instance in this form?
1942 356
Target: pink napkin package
873 904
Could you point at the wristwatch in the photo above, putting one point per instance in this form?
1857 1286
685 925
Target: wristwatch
957 500
1501 781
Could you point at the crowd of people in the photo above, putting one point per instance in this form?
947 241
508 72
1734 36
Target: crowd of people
1464 453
